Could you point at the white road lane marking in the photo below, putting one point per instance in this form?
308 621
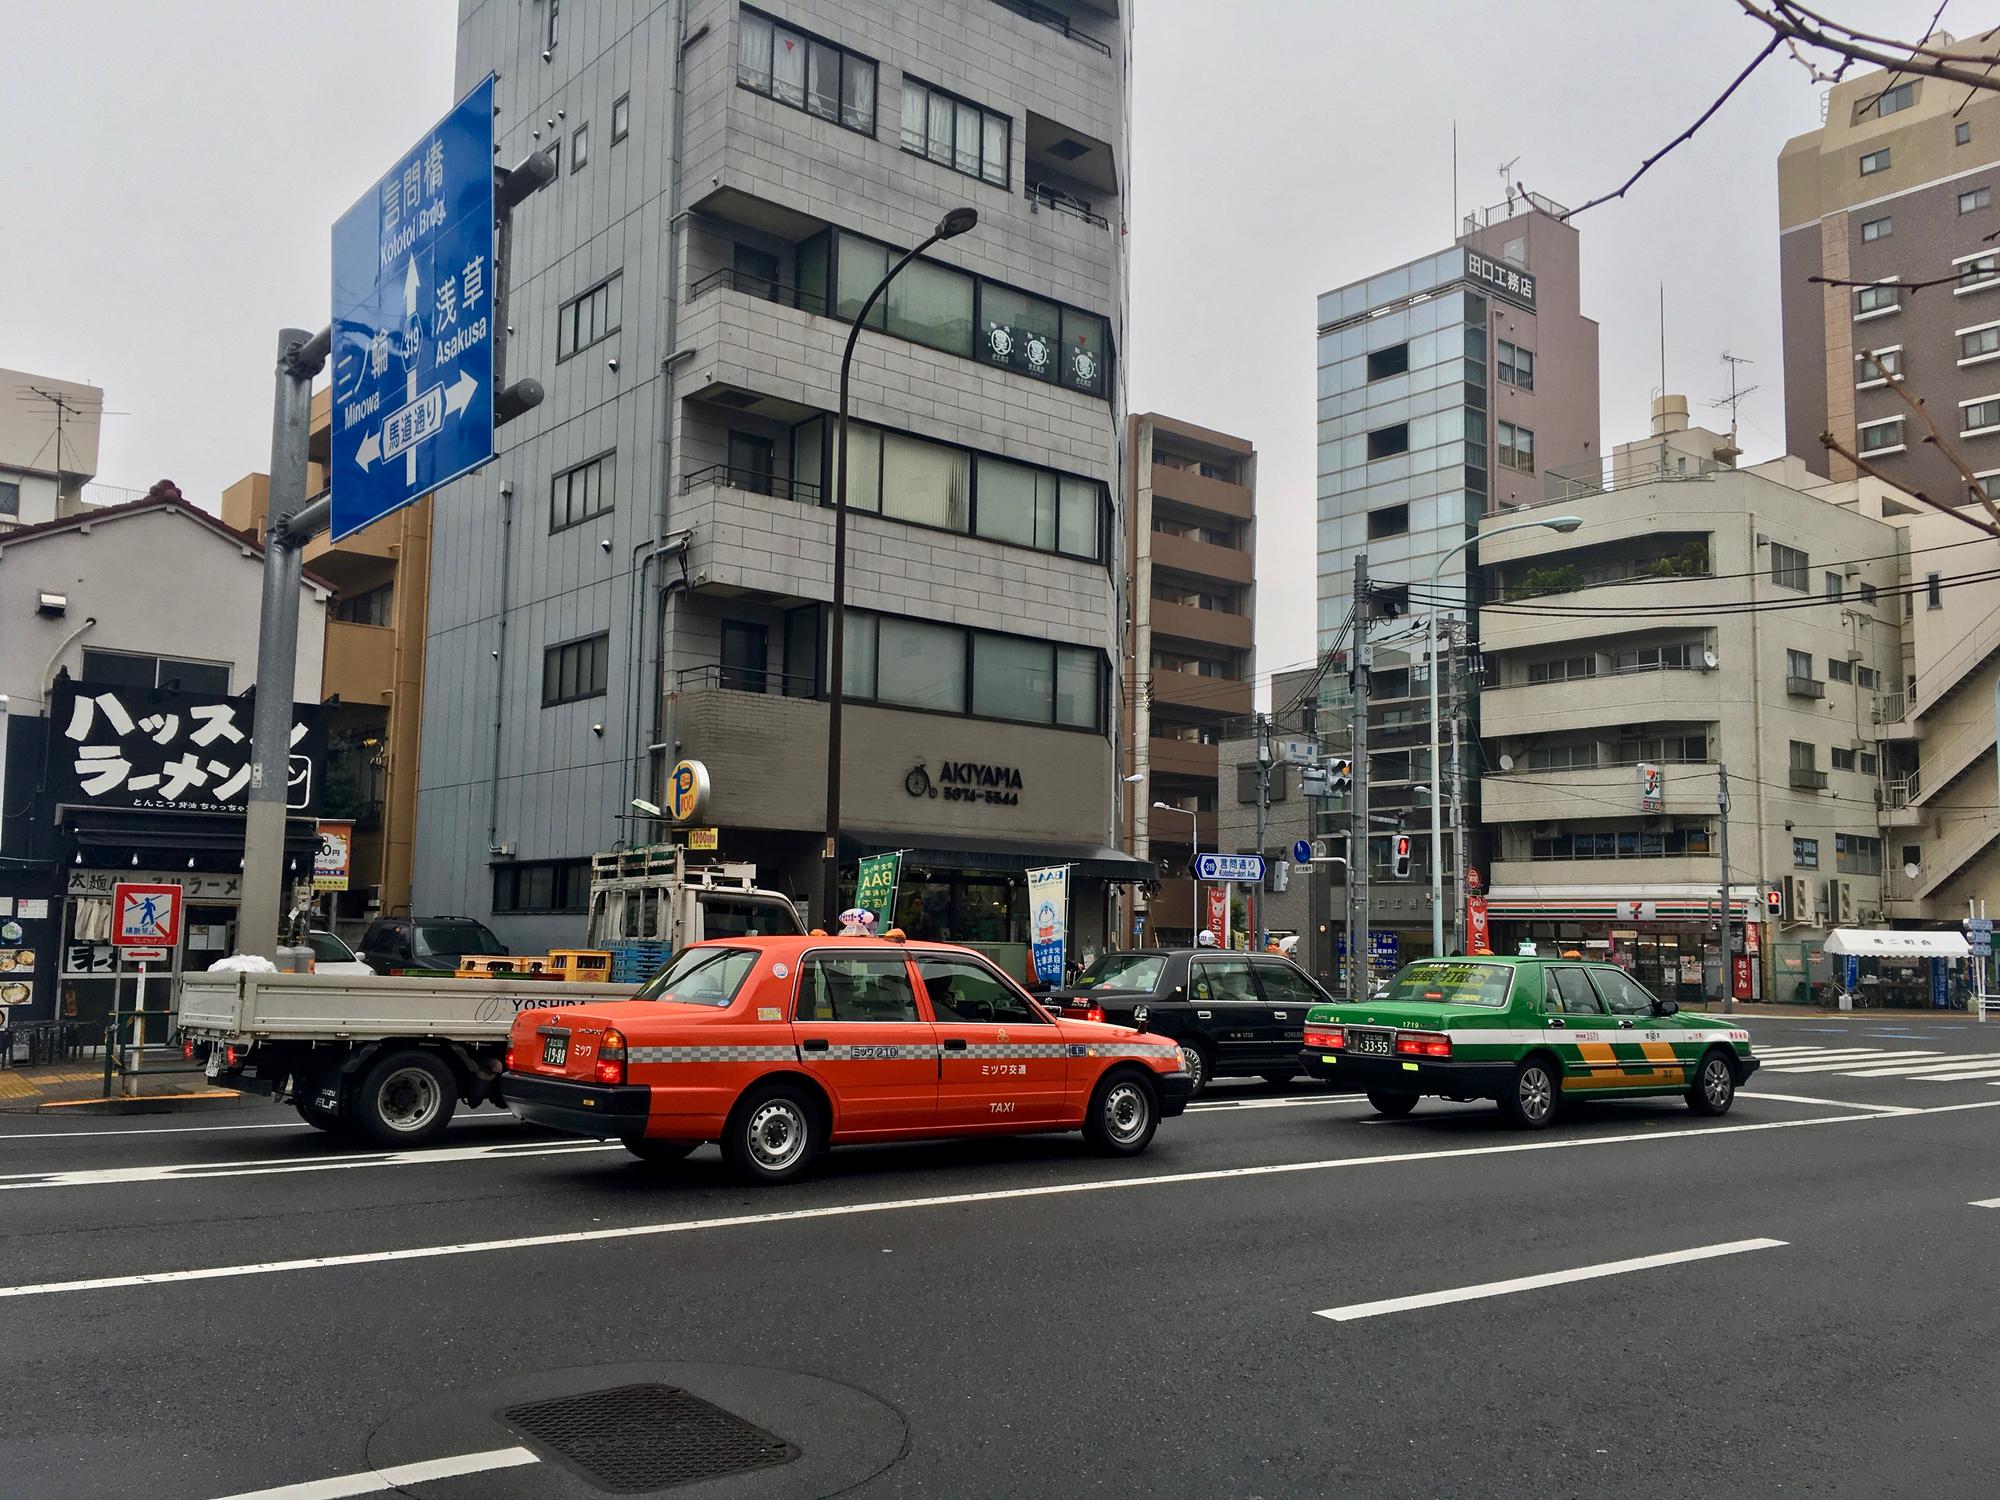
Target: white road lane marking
941 1200
377 1480
1876 1069
275 1165
1986 1203
1887 1109
1294 1103
92 1135
1842 1065
1545 1279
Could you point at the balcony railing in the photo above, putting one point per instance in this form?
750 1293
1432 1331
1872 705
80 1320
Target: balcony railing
1805 687
1055 20
1041 194
764 288
1899 791
747 680
1808 781
756 481
1625 471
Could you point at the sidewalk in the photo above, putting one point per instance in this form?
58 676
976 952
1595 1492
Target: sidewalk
76 1086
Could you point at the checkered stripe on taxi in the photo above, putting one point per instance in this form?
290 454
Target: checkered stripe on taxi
1013 1049
1127 1049
707 1054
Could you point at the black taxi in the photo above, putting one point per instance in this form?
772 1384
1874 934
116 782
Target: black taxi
1233 1014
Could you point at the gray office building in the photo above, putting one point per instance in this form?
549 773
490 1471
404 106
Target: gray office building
645 573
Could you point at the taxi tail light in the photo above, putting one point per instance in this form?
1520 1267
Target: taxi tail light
1325 1039
611 1058
1423 1044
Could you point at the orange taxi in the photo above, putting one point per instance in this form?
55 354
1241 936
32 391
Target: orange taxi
779 1046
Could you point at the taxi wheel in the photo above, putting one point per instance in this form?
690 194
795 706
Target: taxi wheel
1714 1086
1531 1102
1395 1106
660 1153
1124 1113
773 1134
1194 1062
406 1100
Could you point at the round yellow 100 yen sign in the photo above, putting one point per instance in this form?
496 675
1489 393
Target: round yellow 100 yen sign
687 791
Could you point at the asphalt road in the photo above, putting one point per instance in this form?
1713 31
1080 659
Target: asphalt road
1284 1297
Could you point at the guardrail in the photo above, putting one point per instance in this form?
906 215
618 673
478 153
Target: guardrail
765 288
1064 203
1055 20
755 481
747 680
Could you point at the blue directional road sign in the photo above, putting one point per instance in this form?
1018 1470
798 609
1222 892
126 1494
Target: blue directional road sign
1248 867
413 322
1302 851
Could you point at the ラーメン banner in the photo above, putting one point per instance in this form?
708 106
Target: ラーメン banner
875 886
1048 920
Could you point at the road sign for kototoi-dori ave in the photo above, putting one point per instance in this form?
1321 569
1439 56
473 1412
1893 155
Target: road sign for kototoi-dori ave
1229 867
414 322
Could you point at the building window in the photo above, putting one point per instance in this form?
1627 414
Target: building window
746 656
1875 161
10 498
913 479
806 72
1672 749
1979 416
1884 297
1383 363
1857 854
1562 669
1833 585
579 148
1839 669
956 133
752 462
940 306
370 608
621 118
1961 134
590 316
1622 843
1878 366
1390 520
1681 657
1517 365
1881 437
576 670
1843 760
1387 442
1976 271
1979 343
133 669
1581 757
1804 756
1888 102
543 885
1867 763
1517 447
950 669
555 24
1805 853
1877 229
1972 201
1864 676
1799 666
582 492
1790 568
1867 591
1933 591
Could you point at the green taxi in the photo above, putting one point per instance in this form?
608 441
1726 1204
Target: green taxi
1524 1032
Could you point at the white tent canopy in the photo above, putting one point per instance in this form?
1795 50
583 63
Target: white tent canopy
1879 942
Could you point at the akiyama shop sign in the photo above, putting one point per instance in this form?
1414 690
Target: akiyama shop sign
158 751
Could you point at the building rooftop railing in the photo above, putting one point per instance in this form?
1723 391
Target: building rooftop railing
1519 201
805 491
1625 471
1055 20
766 288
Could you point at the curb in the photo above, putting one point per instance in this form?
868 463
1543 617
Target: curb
207 1101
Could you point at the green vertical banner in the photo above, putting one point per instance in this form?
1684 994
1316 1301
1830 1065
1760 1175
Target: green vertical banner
875 887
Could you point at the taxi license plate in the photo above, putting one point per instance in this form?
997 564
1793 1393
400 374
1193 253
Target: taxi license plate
555 1051
1373 1043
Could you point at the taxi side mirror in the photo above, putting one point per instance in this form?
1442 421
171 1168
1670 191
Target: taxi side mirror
1666 1007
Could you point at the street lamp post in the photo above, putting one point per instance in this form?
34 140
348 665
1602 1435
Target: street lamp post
1553 523
950 226
1194 843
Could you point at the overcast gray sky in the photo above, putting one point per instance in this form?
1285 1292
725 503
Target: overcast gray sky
174 171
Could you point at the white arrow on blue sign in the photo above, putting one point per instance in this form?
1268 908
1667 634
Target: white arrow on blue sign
1246 867
1302 851
414 322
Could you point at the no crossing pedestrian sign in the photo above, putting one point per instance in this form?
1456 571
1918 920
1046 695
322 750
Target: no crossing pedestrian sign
145 916
414 321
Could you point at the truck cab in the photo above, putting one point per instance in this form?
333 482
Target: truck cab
650 902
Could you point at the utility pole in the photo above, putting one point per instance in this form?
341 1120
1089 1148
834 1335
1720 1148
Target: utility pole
1722 823
1457 817
1358 867
1256 939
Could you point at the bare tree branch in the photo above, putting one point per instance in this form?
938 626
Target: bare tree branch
1932 435
1784 19
1863 105
1833 444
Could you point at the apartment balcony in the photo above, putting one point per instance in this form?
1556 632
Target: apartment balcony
1804 779
1216 496
1209 627
373 544
1601 791
1217 695
1805 687
1598 702
360 662
1186 554
1191 758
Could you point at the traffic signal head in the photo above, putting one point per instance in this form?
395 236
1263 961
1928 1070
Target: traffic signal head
1774 901
1399 856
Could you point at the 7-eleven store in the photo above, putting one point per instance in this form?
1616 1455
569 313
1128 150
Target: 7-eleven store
1664 934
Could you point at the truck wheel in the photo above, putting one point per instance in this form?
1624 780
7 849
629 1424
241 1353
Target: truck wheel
319 1119
773 1134
1124 1112
405 1100
660 1153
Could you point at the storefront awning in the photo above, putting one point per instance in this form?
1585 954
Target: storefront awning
189 833
1650 902
1000 856
1882 942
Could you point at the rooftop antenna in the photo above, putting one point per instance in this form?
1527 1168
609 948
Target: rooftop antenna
1507 180
1734 398
1456 228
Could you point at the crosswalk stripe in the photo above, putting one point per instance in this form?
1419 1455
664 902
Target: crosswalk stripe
1884 1070
1967 1077
1792 1059
1845 1064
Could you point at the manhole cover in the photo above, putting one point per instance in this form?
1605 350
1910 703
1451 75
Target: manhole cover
633 1438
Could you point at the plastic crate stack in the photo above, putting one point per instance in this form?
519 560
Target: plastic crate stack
636 960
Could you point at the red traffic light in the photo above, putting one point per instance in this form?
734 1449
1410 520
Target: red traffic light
1774 901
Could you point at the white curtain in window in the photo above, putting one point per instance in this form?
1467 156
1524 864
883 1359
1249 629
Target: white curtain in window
823 80
940 129
915 100
857 94
968 140
789 66
994 165
753 50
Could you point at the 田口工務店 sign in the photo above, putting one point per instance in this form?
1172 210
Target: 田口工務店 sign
1511 282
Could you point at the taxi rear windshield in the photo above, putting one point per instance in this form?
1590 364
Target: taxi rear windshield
701 976
1452 984
1123 971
